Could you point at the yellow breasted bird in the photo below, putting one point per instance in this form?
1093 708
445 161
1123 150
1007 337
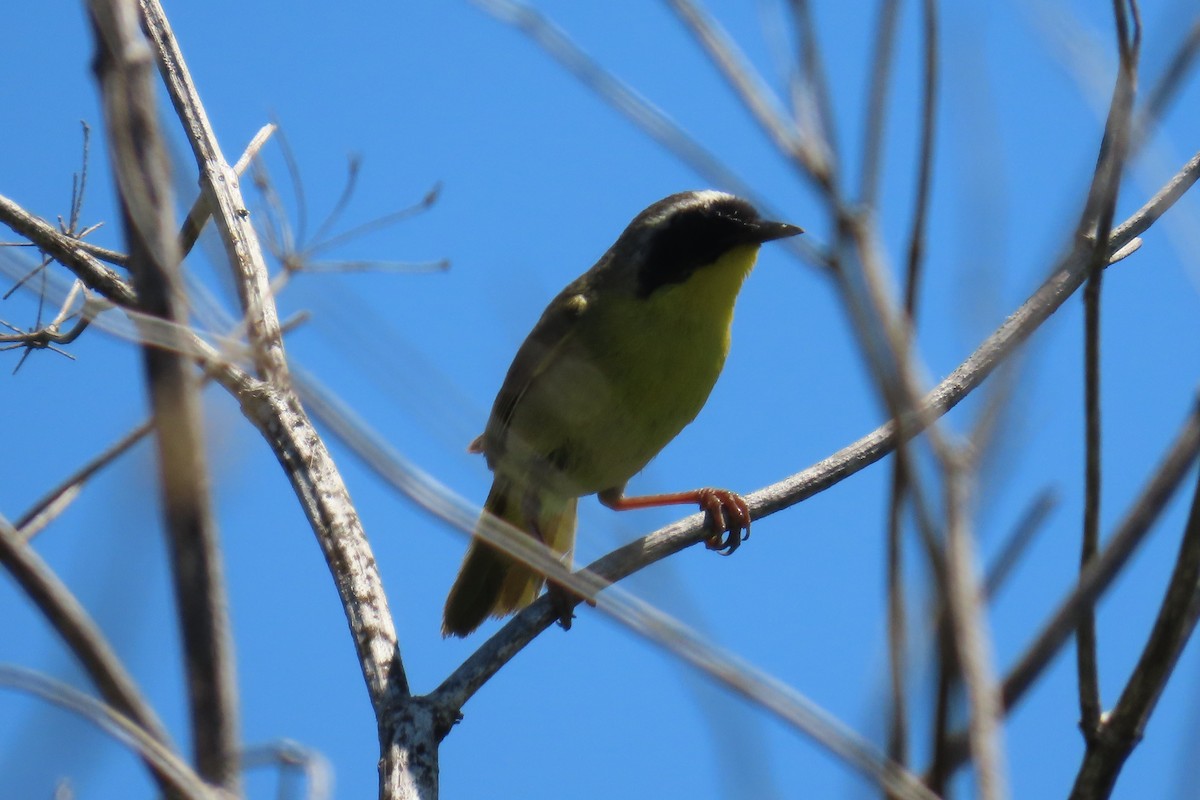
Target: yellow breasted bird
620 361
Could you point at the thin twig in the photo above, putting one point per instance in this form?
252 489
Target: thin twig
1085 636
752 91
814 84
897 630
1122 728
897 626
924 189
1098 215
199 214
51 504
965 604
45 337
178 779
948 680
1017 542
82 636
648 118
877 97
69 252
948 676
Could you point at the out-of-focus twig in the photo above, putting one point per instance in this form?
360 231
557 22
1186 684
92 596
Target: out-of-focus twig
753 92
1018 541
897 624
84 638
813 98
124 69
291 757
51 504
648 118
877 100
178 779
1096 579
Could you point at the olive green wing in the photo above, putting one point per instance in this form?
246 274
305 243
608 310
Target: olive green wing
544 349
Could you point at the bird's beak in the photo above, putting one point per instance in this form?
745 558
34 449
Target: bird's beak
770 231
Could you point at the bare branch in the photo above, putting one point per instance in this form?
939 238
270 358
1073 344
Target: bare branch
52 503
199 214
1122 729
881 70
1098 216
965 604
275 410
84 638
67 251
924 189
814 86
1085 636
1096 579
753 92
220 185
123 67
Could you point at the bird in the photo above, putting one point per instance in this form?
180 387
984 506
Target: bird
618 364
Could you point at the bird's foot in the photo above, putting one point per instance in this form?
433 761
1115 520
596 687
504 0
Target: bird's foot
729 516
563 601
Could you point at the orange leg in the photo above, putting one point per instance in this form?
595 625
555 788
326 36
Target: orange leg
729 513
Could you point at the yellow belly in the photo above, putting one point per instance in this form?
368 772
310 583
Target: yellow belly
629 379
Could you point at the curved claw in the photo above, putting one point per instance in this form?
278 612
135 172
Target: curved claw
730 515
564 601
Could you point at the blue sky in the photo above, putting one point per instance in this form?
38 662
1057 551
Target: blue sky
538 176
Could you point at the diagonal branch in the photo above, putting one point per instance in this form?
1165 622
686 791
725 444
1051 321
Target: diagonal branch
83 636
50 505
407 734
274 407
751 90
1122 728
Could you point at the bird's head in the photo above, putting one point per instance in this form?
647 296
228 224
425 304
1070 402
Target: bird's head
673 238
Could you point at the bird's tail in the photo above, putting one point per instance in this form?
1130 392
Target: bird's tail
492 583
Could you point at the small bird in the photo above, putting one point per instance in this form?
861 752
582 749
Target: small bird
619 363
